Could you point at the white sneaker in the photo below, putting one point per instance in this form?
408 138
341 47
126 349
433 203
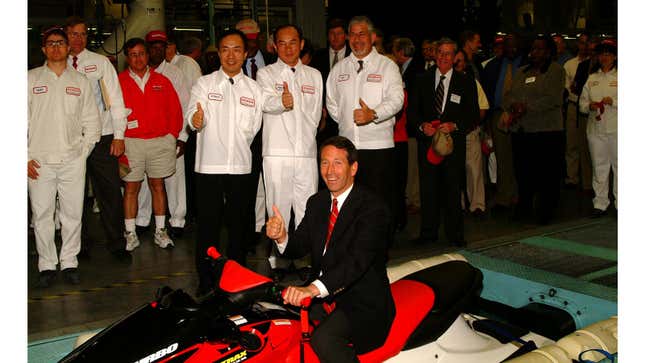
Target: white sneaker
131 241
162 239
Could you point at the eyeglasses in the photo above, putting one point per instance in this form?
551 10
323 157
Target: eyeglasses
77 35
55 43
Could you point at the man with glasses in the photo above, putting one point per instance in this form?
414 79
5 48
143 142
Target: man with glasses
150 139
102 164
63 126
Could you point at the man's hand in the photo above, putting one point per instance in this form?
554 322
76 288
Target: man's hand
447 127
287 97
117 147
32 165
363 115
428 129
181 148
198 117
275 228
295 294
607 101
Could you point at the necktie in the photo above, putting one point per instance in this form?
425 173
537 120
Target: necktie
360 66
74 64
332 221
508 79
335 60
293 70
254 69
231 80
438 96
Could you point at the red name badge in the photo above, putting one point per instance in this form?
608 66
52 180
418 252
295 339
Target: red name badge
215 96
39 89
308 89
90 68
246 101
374 78
157 87
343 77
74 91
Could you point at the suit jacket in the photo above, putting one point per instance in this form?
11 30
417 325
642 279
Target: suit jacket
268 59
354 265
320 61
463 113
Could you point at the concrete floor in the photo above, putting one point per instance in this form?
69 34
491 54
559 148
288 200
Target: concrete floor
109 289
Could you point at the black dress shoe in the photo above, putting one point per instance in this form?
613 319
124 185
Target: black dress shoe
122 256
597 213
46 278
71 276
175 232
84 254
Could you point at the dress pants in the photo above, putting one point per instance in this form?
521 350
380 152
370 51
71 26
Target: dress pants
412 188
401 181
68 180
376 170
331 338
175 193
506 184
221 198
103 173
604 154
475 172
577 152
441 187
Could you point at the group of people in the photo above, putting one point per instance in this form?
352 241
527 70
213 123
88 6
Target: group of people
260 129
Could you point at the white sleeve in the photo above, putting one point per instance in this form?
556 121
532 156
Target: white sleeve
313 116
197 94
584 100
331 101
272 99
112 86
322 288
392 101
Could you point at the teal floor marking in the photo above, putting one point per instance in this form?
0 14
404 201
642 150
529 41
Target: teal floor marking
572 247
600 273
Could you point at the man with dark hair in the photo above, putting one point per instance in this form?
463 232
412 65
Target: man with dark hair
429 52
449 97
150 139
102 163
471 44
187 64
348 258
226 111
364 94
63 126
563 54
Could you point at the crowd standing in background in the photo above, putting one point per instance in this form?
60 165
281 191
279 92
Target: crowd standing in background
221 134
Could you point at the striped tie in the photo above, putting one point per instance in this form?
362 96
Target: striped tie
74 60
438 97
332 221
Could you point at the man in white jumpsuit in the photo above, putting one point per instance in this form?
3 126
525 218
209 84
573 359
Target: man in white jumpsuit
292 111
176 183
63 126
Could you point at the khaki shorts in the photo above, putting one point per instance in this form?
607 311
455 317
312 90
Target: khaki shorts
156 157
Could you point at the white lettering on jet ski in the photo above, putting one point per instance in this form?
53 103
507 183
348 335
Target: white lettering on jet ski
159 354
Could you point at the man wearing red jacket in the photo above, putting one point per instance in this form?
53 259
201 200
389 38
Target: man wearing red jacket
154 123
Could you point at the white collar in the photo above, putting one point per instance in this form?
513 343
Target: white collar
342 197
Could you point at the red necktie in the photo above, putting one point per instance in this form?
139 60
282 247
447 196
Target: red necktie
254 69
332 221
74 59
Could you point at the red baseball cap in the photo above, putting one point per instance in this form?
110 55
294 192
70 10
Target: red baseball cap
156 36
249 27
432 157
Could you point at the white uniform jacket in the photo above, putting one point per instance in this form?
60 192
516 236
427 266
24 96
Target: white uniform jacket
380 86
107 90
290 133
188 67
63 120
232 117
176 77
598 86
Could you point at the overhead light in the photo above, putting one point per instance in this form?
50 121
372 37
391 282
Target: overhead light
188 29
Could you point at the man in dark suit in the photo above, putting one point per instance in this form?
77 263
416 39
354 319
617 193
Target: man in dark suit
348 249
451 98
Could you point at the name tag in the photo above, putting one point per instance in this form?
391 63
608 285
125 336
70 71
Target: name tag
74 91
455 98
613 84
90 68
343 77
157 87
308 89
279 87
529 80
133 124
246 101
374 78
215 96
594 84
39 89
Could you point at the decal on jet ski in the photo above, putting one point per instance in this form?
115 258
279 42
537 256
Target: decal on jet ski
239 357
159 354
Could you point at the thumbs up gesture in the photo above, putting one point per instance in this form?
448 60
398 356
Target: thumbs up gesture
363 115
275 228
287 97
198 117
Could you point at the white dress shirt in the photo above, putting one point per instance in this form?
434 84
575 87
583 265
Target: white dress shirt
340 55
446 84
379 85
290 133
232 117
598 86
189 68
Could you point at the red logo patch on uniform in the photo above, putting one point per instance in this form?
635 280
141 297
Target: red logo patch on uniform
90 68
343 77
39 89
157 87
613 84
308 89
374 78
215 96
246 101
74 91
